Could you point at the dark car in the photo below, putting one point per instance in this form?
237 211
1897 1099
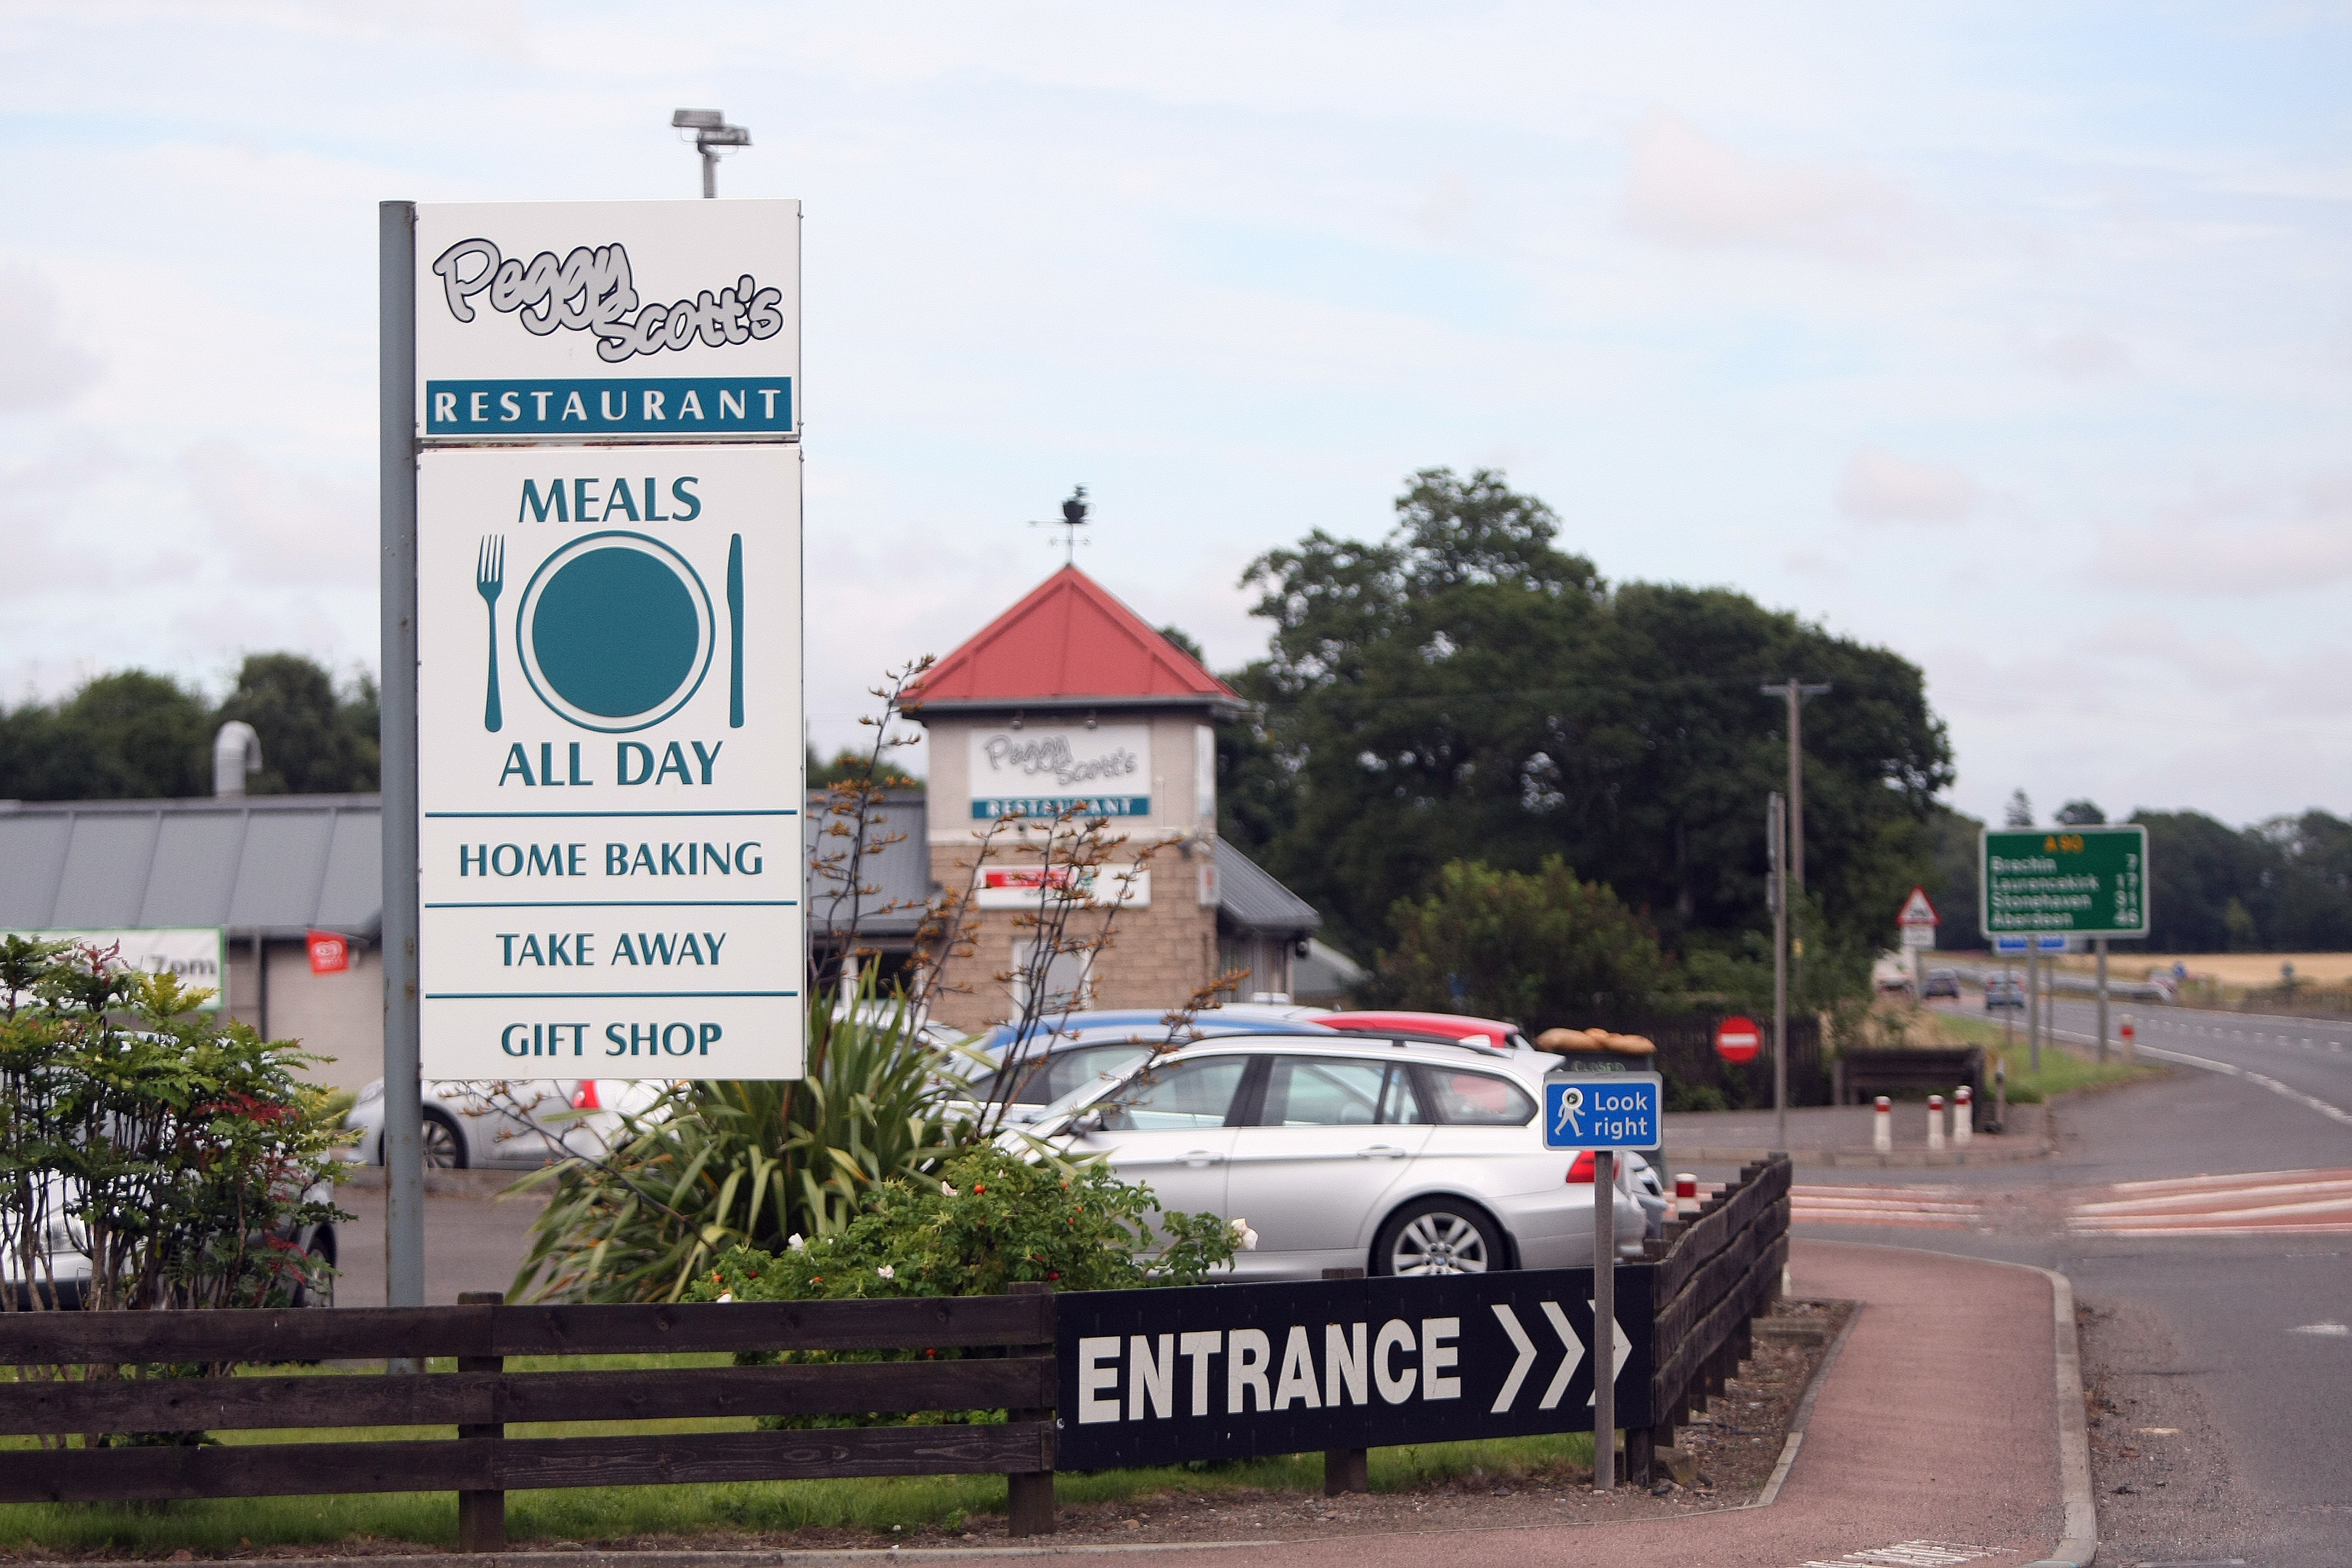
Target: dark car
1942 983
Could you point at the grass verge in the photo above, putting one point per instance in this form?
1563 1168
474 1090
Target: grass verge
2064 1066
592 1513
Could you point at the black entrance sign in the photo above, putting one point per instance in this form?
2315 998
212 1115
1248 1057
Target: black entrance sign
1153 1377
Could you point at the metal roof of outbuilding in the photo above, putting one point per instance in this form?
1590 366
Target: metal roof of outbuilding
278 865
900 869
1248 895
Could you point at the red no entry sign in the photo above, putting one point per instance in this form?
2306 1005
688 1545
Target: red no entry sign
1736 1041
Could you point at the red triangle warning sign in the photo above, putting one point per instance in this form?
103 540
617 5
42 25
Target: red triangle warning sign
1917 910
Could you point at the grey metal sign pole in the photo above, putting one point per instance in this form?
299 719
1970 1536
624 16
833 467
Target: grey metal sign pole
1776 884
404 1202
2033 1004
2100 943
1604 1320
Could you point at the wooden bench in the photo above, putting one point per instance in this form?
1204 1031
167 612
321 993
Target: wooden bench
1865 1074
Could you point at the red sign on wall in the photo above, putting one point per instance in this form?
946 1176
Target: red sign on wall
329 953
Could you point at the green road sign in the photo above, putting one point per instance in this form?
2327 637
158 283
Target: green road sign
2079 881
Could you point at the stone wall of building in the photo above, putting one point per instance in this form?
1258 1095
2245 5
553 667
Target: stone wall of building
1159 952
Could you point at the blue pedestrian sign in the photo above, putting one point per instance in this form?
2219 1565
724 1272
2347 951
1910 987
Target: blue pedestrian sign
1602 1111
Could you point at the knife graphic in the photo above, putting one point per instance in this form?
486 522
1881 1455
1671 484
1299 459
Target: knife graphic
735 633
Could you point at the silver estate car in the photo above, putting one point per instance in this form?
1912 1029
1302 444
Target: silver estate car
1398 1156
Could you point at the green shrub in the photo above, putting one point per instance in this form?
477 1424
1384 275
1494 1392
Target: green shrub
988 1219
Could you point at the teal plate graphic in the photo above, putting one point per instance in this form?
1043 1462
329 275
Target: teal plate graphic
616 631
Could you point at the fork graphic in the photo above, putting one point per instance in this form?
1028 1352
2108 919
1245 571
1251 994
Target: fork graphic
490 577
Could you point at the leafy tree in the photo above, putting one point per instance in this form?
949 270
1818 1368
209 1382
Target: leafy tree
131 735
1538 949
1466 690
2081 814
852 764
314 740
1951 881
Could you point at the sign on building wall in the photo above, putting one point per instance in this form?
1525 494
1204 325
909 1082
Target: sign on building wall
588 320
197 954
609 775
1042 770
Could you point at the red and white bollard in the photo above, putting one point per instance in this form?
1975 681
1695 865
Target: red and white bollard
2130 1036
1934 1121
1882 1129
1685 1195
1963 1116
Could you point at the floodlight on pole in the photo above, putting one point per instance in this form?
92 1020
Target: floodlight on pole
711 132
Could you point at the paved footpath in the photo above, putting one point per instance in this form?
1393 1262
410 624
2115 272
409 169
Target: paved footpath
1936 1432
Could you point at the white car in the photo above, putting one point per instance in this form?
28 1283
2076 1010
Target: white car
1395 1156
65 1267
515 1122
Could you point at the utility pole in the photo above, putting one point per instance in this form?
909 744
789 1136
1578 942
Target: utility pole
1775 889
711 132
1795 692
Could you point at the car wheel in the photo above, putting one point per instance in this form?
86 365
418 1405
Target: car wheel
321 1254
1438 1235
444 1145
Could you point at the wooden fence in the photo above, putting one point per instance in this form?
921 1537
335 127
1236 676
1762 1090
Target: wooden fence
1015 1373
1716 1274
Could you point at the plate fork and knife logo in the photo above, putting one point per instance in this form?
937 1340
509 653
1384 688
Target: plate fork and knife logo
590 662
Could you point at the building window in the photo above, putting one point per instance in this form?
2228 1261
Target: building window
1069 978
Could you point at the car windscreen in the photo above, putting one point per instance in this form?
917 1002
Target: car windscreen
1043 1081
1179 1095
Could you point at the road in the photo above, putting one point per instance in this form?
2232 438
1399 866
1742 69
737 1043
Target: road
2217 1342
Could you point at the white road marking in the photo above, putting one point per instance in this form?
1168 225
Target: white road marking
2325 1331
2276 1203
2232 1069
1911 1554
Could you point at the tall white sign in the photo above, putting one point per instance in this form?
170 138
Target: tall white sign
610 768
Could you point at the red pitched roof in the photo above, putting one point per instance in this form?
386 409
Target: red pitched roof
1069 641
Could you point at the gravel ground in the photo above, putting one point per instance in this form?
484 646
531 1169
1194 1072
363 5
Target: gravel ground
1736 1445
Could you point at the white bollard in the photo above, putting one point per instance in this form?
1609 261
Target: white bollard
1685 1195
1964 1117
1934 1121
1882 1131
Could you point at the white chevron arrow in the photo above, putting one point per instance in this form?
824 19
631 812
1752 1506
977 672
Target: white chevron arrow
1568 1364
1621 1349
1527 1349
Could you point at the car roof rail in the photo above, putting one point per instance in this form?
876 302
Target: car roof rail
1400 1038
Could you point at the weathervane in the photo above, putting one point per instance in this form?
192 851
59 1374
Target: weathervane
1073 518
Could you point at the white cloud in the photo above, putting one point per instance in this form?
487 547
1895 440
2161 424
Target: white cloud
279 526
2083 356
1683 187
2243 542
1880 486
43 368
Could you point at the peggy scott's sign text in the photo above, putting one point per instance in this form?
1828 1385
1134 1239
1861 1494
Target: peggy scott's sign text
588 320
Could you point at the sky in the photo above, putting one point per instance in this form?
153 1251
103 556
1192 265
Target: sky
2016 338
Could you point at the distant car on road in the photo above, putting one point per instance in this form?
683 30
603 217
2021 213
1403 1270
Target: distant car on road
2003 993
1942 983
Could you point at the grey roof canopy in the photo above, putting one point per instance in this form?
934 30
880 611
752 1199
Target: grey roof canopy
284 865
1249 897
899 868
277 865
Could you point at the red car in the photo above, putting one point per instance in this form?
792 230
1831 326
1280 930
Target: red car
1450 1026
